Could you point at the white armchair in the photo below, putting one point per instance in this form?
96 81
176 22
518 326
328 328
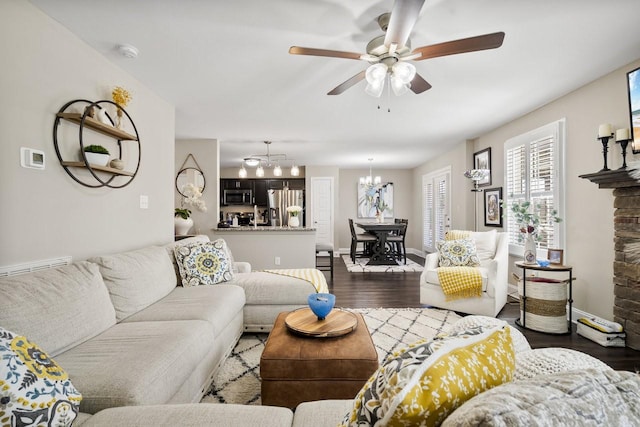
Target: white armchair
493 268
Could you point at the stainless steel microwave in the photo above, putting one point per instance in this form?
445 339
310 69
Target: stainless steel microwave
237 197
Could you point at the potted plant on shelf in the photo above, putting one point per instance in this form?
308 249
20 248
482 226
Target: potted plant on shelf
96 155
182 221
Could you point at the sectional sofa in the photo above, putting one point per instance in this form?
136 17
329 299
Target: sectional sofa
143 350
128 334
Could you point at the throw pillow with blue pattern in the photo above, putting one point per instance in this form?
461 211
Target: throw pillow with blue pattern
34 390
204 263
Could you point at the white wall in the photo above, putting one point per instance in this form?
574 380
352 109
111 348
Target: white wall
206 152
46 214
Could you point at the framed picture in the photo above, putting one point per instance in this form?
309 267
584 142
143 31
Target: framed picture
371 197
633 86
482 160
492 208
555 256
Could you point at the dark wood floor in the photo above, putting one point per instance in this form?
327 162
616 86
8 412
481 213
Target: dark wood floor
399 290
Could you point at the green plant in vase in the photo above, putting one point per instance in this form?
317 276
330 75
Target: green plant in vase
530 225
182 213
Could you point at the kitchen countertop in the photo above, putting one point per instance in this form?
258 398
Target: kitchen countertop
263 228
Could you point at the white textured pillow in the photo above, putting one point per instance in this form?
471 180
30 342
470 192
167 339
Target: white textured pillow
486 242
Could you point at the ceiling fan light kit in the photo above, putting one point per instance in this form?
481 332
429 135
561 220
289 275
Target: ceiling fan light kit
390 52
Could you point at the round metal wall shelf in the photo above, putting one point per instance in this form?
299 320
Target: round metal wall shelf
104 176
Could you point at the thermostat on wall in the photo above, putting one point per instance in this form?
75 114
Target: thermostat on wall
30 158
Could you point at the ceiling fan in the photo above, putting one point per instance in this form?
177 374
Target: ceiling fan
389 54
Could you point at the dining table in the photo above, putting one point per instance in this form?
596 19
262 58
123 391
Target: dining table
382 253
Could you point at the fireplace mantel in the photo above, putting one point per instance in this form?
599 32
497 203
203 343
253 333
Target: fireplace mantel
626 264
612 178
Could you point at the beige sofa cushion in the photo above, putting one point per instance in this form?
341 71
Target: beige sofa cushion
137 279
137 363
216 304
197 414
264 288
58 308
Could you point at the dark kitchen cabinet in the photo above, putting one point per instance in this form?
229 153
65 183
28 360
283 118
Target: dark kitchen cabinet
237 184
260 192
291 184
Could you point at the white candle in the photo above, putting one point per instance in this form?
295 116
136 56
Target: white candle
622 134
604 130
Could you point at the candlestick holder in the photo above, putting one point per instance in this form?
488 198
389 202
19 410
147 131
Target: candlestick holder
623 144
605 149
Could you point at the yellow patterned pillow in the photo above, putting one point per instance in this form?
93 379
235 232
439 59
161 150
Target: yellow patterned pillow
425 382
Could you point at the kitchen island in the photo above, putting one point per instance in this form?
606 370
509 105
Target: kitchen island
271 247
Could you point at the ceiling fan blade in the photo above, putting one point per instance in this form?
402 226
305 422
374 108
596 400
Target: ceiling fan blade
346 85
297 50
403 17
419 85
471 44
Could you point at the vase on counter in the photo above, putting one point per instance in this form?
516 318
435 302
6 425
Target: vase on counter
529 249
294 221
182 226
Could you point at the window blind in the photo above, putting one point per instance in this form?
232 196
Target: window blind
533 168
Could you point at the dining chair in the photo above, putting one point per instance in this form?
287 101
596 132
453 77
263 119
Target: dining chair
365 239
398 239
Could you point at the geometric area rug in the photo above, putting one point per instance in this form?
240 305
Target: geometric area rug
360 266
238 379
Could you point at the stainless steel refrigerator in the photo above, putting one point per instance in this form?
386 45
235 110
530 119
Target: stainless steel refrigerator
279 201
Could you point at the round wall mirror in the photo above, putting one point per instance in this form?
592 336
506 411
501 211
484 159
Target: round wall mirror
189 176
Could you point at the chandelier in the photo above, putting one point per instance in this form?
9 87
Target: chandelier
398 75
269 160
370 180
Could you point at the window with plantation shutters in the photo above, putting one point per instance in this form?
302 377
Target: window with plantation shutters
435 209
534 171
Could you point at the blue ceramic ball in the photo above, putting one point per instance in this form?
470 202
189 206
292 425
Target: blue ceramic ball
543 262
321 304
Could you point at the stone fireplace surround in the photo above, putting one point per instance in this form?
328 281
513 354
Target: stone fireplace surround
626 264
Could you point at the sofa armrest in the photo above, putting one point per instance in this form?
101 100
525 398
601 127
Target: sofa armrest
501 282
242 267
431 261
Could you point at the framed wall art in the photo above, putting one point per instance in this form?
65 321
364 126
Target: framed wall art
633 87
555 256
372 198
492 208
482 160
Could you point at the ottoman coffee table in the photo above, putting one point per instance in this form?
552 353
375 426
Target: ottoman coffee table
296 368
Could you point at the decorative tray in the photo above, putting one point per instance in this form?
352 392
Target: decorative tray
337 323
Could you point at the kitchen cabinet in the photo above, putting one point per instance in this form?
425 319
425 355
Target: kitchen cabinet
291 184
260 192
238 184
259 187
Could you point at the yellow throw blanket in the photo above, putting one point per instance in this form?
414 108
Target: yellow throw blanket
460 282
311 275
